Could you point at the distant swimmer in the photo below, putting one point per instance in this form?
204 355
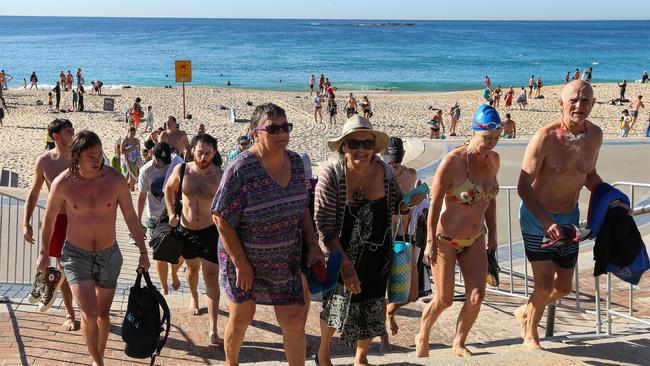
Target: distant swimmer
559 160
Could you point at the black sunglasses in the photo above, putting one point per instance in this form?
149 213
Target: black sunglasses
355 144
274 129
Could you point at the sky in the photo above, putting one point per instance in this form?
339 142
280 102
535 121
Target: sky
337 9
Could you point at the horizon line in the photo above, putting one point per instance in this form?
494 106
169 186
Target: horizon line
349 19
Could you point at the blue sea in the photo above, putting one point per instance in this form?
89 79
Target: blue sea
354 54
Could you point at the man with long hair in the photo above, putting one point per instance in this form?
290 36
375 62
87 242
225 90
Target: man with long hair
91 258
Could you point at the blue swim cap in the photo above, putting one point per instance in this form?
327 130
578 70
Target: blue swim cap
486 118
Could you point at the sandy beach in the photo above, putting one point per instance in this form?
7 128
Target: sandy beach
398 114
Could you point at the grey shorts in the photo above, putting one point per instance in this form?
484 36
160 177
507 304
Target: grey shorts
103 267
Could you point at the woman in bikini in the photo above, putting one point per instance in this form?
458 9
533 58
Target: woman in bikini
462 205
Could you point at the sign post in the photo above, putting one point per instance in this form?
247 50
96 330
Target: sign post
183 75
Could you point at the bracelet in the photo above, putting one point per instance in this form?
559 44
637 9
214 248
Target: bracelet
28 224
144 252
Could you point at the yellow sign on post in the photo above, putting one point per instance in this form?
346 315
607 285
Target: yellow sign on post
183 71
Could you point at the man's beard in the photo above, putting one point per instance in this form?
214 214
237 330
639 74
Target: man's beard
202 165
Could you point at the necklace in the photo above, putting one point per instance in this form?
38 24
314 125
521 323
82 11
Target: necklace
358 195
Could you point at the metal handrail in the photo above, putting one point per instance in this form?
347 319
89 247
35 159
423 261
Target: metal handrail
15 253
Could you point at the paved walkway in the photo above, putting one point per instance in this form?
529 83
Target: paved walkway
31 338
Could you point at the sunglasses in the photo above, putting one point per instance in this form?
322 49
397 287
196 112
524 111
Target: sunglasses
489 125
355 144
275 129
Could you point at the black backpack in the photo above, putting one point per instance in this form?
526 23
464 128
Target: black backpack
142 323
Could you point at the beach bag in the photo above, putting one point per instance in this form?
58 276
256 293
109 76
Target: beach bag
143 323
399 281
166 242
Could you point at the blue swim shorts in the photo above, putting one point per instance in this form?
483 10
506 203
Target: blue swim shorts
533 234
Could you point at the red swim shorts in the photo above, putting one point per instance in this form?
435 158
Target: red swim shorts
58 236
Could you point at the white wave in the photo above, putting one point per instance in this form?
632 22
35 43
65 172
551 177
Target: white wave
595 63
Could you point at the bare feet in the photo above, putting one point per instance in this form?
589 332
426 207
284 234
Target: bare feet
520 314
384 346
164 289
70 324
363 361
421 346
176 283
461 351
391 324
323 359
194 307
214 339
532 344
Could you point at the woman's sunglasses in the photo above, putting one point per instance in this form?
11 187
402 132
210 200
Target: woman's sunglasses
355 144
274 129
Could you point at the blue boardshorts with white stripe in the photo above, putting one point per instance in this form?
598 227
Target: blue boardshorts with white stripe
533 233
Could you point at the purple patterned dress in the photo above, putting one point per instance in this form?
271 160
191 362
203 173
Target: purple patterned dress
268 220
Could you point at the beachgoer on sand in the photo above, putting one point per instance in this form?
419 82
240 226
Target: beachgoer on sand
625 123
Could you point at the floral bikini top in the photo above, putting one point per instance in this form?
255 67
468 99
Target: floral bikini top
470 192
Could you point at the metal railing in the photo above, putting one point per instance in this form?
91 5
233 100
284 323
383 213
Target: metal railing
517 282
17 257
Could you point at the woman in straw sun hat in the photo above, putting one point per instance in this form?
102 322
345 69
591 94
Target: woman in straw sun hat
356 197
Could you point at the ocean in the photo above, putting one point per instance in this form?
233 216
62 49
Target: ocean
353 54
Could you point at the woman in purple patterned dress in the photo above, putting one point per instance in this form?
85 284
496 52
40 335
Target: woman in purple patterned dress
261 212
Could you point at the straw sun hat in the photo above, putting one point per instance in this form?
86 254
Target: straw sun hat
359 124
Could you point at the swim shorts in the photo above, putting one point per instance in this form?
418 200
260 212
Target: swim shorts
103 267
58 236
508 136
634 114
200 243
533 233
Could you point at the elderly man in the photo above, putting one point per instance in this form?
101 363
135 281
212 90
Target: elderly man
559 160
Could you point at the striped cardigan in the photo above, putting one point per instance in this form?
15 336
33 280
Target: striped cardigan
331 197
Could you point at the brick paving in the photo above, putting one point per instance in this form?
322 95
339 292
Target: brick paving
31 338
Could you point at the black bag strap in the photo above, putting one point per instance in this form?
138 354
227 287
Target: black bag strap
177 205
166 320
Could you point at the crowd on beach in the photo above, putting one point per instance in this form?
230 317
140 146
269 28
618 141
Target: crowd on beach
260 227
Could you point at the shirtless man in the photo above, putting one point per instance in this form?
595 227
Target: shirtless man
91 258
48 166
175 137
200 182
634 113
559 160
531 84
509 128
351 106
